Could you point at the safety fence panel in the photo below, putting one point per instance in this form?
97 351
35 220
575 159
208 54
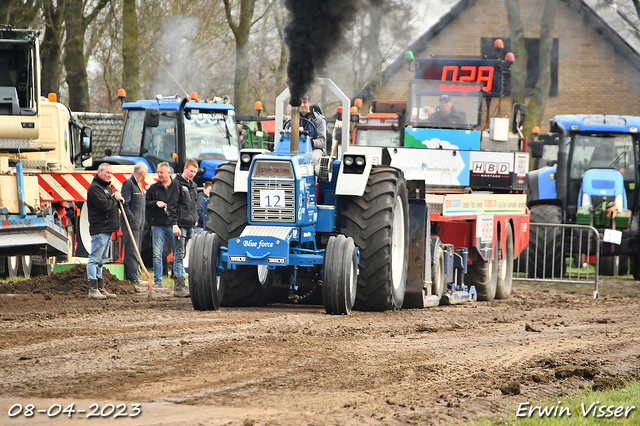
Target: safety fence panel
560 253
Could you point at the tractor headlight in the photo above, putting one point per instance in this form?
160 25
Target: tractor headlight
245 158
354 164
586 201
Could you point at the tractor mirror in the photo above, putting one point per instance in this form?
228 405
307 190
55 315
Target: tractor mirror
151 117
86 138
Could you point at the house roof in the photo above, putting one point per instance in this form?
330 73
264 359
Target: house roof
615 20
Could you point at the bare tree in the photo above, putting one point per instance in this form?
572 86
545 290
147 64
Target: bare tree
241 30
76 22
538 100
51 46
20 13
130 60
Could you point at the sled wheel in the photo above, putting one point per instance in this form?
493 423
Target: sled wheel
484 276
26 263
13 266
505 268
437 271
378 222
340 280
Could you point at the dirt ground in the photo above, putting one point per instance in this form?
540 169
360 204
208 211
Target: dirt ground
295 365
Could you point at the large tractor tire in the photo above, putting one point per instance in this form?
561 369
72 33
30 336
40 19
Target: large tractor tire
608 263
484 276
545 258
227 216
378 222
227 211
505 268
205 286
340 272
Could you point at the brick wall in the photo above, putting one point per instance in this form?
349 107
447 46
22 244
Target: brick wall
592 77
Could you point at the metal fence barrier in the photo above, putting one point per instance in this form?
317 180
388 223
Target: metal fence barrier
560 253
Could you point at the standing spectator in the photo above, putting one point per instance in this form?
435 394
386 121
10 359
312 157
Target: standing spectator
134 207
183 215
102 204
203 202
157 216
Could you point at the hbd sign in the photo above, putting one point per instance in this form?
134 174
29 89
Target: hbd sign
489 168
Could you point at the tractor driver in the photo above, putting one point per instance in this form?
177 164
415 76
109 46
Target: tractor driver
446 113
317 130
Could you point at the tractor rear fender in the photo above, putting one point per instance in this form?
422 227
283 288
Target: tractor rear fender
353 174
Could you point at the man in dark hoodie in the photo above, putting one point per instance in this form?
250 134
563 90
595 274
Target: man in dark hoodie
183 216
157 215
134 206
203 201
102 204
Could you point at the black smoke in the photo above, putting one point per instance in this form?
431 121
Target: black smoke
315 29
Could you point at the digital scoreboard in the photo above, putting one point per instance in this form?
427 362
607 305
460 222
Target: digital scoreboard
462 75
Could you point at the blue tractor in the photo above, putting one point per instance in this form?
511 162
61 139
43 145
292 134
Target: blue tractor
174 129
586 174
280 227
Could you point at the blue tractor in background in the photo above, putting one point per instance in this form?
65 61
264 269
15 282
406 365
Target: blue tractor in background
586 174
173 129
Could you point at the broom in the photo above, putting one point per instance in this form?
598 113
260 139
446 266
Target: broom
135 246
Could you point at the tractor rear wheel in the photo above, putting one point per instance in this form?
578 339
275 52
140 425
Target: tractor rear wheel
248 285
227 211
484 276
378 222
227 216
544 254
340 276
608 263
505 268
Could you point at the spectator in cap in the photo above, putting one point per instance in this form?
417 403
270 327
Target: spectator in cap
446 113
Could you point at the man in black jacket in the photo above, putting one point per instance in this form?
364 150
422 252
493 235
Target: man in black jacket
102 205
134 207
183 216
157 215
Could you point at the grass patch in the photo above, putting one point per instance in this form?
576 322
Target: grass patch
600 408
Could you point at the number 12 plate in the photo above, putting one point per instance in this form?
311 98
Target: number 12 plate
273 198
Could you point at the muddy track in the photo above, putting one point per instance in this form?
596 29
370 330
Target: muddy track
290 364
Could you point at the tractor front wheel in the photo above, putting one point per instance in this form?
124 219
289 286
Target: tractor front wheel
340 280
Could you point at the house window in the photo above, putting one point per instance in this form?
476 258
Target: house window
533 47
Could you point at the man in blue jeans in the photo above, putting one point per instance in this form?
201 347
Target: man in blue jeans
157 215
102 205
183 216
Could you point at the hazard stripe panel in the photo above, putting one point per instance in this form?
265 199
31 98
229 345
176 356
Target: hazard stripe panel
72 186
